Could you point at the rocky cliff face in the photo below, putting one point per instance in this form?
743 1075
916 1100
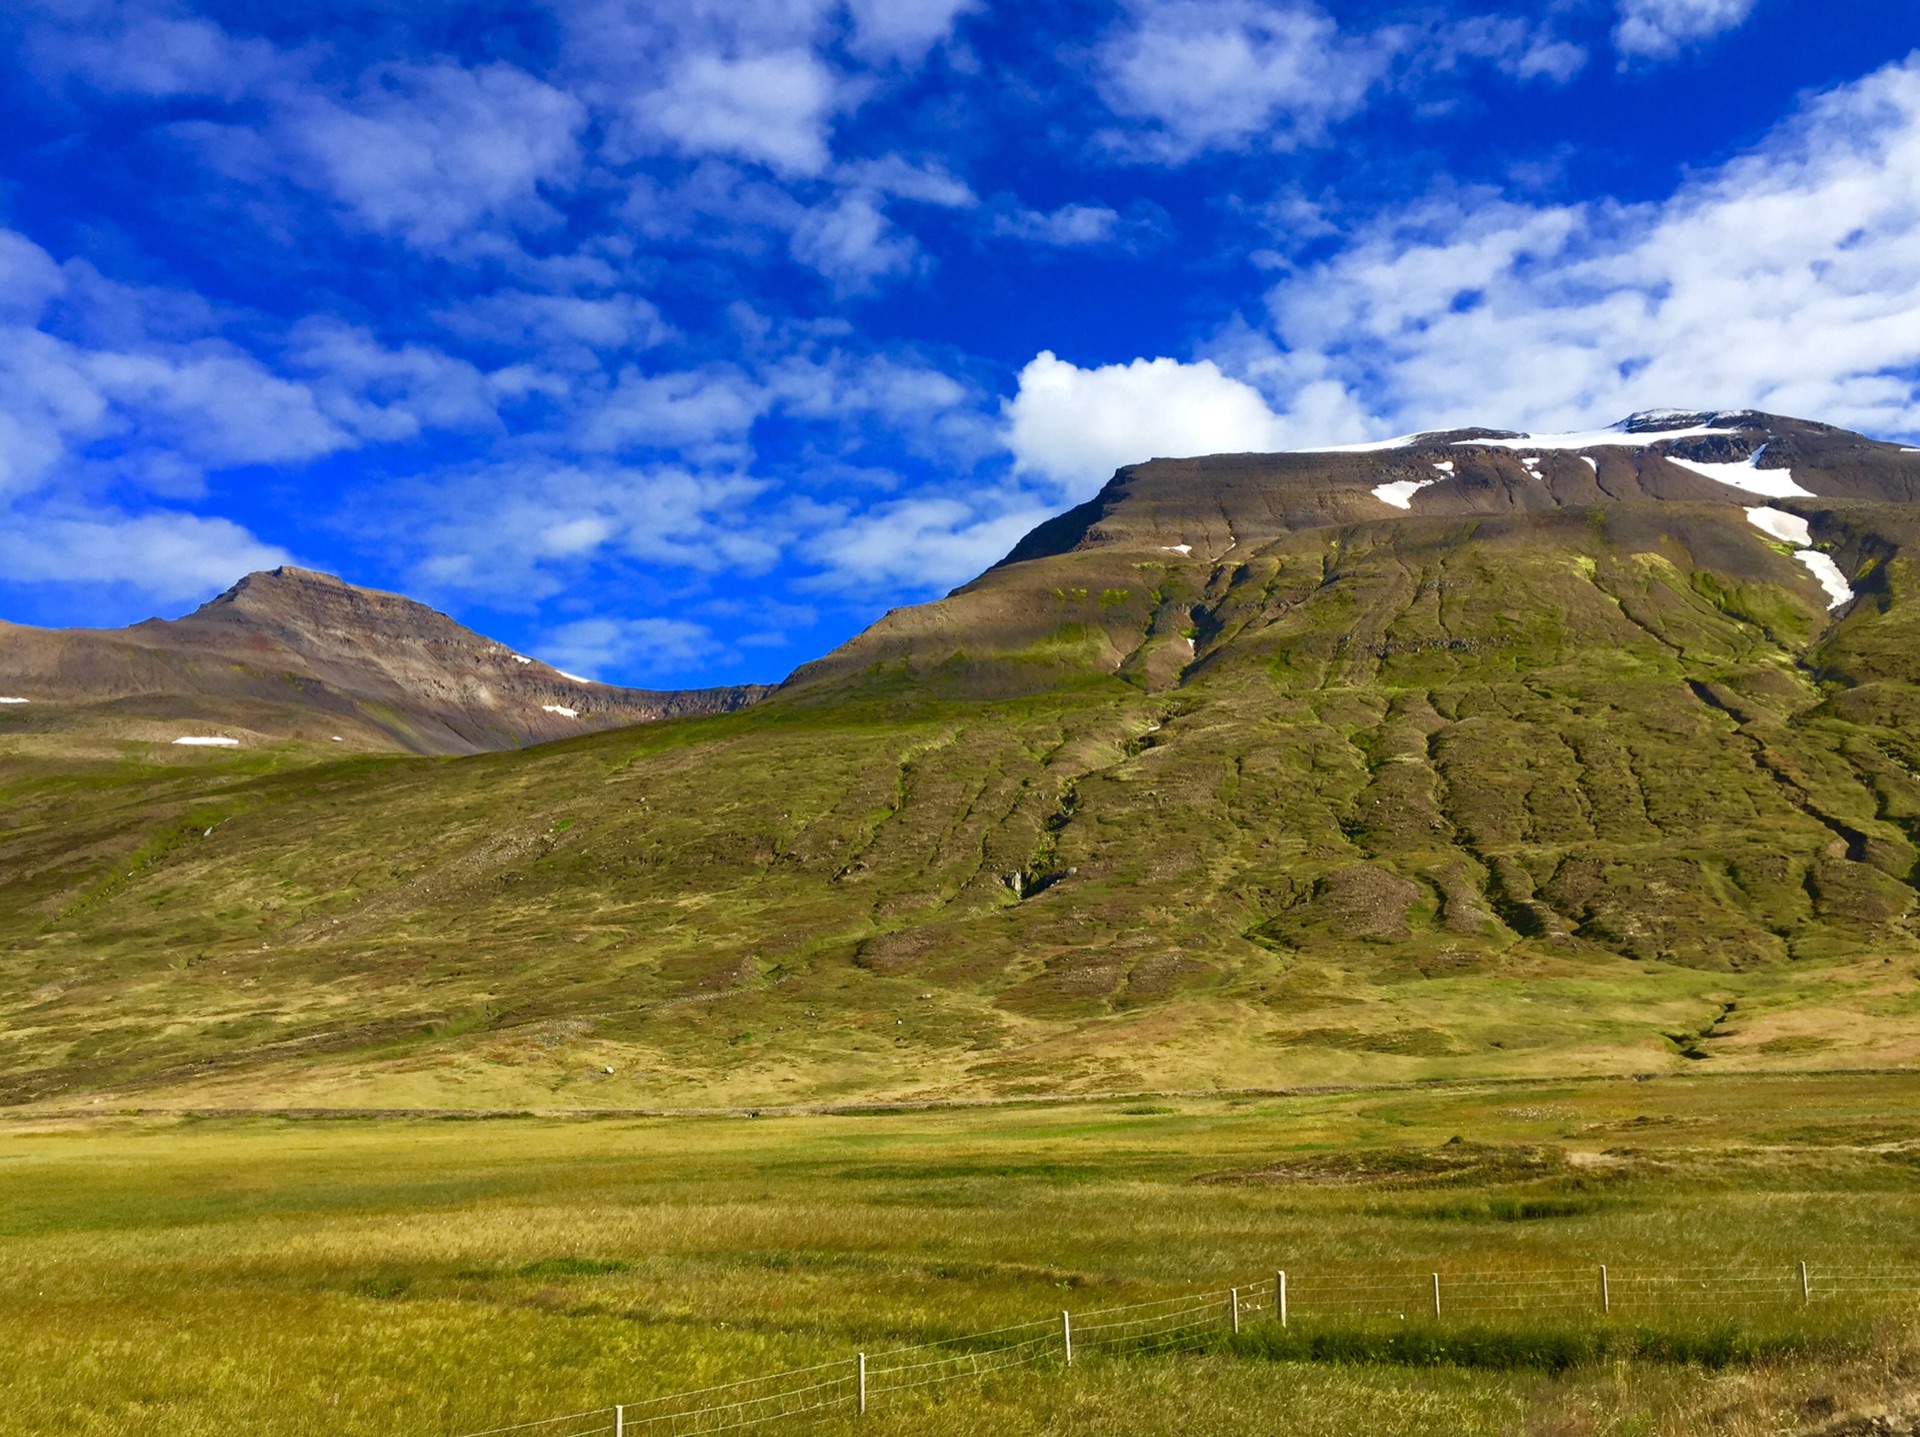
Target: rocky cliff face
296 654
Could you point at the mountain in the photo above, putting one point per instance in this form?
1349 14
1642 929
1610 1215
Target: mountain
1466 755
293 654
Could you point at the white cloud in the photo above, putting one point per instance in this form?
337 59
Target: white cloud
167 556
388 394
1789 279
706 413
521 317
593 646
851 242
514 529
774 109
930 541
1524 49
1657 29
1232 73
925 182
1069 226
128 48
902 29
427 153
162 407
1076 426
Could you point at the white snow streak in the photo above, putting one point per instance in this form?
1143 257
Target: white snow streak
1614 438
1401 491
208 741
1445 466
1372 446
1176 548
575 677
12 701
561 709
1828 573
1787 528
1590 462
519 659
1774 483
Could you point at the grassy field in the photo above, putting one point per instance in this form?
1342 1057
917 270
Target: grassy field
436 1277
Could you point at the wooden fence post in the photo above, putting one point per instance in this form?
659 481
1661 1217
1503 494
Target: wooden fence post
1436 1297
1606 1297
1806 1292
863 1384
619 1420
1280 1294
1066 1335
1233 1301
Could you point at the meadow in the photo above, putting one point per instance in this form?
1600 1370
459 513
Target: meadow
441 1276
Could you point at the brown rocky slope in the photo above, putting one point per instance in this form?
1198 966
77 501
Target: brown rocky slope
294 654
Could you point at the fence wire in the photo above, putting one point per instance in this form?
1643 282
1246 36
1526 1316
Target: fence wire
1189 1320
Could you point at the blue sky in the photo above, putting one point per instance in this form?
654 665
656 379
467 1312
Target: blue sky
675 342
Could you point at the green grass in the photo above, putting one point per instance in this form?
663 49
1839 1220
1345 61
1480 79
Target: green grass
405 1275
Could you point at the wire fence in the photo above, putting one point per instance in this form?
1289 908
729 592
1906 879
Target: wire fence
1188 1320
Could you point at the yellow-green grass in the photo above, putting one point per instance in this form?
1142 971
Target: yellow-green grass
410 1275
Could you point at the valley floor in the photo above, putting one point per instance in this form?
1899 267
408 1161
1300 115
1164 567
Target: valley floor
411 1275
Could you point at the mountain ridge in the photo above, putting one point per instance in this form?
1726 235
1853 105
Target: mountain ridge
295 653
1563 767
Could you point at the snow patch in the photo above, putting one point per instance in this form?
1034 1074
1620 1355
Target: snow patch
1611 438
335 739
1445 466
1401 491
1779 524
1176 548
561 709
12 701
208 741
1373 446
520 658
575 677
1773 483
1590 462
1828 573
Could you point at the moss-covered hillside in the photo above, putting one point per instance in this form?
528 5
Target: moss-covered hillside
1594 786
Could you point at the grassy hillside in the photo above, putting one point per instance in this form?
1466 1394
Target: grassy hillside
1592 789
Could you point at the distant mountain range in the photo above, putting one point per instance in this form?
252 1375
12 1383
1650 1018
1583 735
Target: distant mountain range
294 654
1464 754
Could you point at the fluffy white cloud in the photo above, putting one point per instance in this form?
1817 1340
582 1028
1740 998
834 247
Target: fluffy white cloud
851 242
426 153
164 407
902 29
775 109
1076 426
391 394
1228 73
592 646
1656 29
165 555
1789 279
